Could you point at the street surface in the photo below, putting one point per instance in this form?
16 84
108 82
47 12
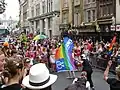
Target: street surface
98 81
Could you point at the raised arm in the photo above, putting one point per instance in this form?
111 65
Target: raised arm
107 70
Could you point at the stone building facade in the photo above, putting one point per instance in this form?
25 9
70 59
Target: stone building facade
42 16
71 14
23 15
90 15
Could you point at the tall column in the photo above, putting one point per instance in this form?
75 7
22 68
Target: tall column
46 26
91 15
41 26
61 6
70 11
30 27
34 27
81 11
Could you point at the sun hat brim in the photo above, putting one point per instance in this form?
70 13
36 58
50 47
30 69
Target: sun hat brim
52 80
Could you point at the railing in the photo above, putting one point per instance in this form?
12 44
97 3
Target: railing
101 63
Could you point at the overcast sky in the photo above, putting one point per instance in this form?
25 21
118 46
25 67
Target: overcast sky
12 9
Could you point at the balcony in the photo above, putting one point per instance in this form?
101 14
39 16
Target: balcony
106 3
90 5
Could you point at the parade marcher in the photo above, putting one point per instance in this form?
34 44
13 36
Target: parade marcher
14 69
86 51
52 57
113 82
88 68
5 49
27 66
77 51
39 79
77 60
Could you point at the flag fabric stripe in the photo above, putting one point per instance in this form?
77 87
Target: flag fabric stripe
65 58
113 41
69 60
111 45
72 62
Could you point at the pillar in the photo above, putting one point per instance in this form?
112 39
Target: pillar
41 26
46 26
34 27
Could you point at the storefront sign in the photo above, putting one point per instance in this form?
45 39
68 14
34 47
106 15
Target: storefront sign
117 28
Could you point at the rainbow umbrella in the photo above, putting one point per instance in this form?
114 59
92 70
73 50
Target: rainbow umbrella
38 37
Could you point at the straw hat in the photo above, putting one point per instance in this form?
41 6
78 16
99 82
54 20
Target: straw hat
39 77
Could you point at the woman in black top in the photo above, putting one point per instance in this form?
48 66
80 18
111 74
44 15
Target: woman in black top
14 68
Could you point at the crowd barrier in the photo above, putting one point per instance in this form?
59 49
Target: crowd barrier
101 63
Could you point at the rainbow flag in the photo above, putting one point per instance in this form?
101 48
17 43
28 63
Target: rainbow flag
63 56
111 45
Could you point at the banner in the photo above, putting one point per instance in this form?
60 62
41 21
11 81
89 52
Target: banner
63 56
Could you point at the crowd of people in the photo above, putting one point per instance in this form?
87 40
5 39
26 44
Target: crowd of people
26 64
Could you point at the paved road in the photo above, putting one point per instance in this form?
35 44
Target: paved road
99 83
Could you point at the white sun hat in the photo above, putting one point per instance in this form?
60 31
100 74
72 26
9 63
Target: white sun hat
39 77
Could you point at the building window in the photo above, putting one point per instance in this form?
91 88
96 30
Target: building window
101 11
37 9
119 2
65 18
25 8
88 1
24 16
50 20
93 12
48 5
111 9
76 19
77 16
104 10
32 11
43 7
89 16
65 3
51 5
